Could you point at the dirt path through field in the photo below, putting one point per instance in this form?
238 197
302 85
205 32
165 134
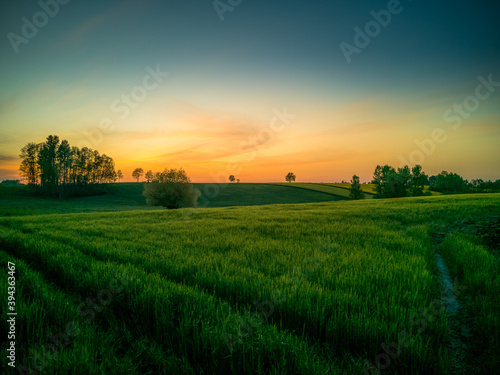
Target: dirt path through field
456 315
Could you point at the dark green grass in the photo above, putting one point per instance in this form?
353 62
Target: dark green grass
238 194
17 200
345 277
341 192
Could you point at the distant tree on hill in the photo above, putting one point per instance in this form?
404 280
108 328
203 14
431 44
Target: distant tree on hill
238 180
290 177
149 175
172 189
232 178
138 173
119 174
355 190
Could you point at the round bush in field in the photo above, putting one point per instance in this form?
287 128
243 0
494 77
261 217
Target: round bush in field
171 188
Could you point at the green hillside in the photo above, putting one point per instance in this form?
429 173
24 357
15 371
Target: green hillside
340 191
16 200
239 194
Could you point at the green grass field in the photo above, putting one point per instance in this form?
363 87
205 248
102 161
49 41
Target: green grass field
316 288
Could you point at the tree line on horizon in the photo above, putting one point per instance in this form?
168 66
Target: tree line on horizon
404 182
55 168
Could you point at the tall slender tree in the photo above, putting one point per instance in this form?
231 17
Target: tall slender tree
355 190
30 169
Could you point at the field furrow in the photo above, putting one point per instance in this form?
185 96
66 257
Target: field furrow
310 287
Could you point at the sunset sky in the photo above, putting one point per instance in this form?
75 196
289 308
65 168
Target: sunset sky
260 89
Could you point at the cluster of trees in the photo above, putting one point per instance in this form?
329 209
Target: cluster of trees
232 178
452 183
58 169
481 186
171 188
403 182
446 182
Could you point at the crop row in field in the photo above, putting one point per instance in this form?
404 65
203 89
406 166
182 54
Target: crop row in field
270 289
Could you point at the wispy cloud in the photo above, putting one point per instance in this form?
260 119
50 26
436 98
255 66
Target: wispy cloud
8 158
89 25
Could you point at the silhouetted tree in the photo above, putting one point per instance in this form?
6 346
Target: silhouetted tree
119 174
232 178
138 173
449 183
48 164
400 182
418 181
30 169
355 190
380 178
290 177
149 175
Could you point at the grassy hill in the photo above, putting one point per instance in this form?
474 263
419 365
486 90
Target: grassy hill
333 189
240 194
16 200
300 288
